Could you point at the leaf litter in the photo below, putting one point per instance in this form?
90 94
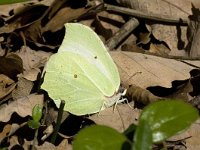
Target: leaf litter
149 69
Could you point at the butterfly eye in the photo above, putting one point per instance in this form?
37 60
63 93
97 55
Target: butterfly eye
95 57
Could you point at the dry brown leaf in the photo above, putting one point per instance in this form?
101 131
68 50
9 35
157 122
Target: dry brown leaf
193 33
33 59
18 7
147 70
168 34
22 106
5 131
9 130
144 38
137 94
132 48
22 18
15 127
11 65
6 85
54 19
192 136
15 143
119 119
23 89
47 145
56 23
193 142
19 15
159 49
31 74
165 8
64 145
101 30
183 91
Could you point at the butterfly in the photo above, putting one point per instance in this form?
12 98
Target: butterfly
82 73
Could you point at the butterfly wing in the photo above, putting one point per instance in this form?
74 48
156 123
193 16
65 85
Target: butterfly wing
65 80
82 72
82 40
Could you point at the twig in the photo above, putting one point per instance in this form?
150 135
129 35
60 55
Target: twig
59 118
139 14
180 58
34 140
125 30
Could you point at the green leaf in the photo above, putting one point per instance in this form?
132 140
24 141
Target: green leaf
98 137
129 132
143 136
2 2
37 113
167 118
33 124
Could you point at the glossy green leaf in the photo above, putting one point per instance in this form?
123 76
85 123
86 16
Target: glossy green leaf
2 2
143 136
169 117
37 113
33 124
98 137
129 132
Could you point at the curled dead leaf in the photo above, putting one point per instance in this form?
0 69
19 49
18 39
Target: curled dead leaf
141 95
11 65
6 85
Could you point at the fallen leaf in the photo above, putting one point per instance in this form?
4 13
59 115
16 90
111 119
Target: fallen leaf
5 131
64 145
31 74
47 145
159 49
147 70
191 135
7 85
13 142
11 65
22 107
137 94
23 89
119 119
22 18
193 33
179 9
33 59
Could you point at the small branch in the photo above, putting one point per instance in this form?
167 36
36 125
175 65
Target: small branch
34 140
59 118
139 14
179 58
125 30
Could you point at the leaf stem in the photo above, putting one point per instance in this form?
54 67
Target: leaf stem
57 127
34 140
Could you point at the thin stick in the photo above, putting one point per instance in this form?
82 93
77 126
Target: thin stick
124 31
35 140
59 118
139 14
